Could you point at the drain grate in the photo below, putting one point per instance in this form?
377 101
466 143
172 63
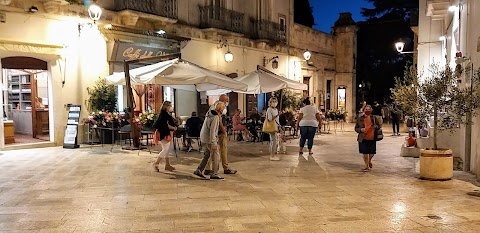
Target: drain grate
433 216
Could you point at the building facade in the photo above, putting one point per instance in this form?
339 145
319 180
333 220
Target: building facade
448 34
77 51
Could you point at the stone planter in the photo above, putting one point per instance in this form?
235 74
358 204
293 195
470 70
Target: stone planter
436 164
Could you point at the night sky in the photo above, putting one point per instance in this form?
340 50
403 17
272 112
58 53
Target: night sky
326 12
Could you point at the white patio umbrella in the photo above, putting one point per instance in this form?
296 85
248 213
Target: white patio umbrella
178 74
262 82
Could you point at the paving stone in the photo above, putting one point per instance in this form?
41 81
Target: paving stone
94 190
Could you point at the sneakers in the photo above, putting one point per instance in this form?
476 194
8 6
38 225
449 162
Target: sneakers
199 174
216 177
207 172
230 172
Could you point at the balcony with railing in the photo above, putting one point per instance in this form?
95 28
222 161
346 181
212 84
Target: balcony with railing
221 18
164 8
268 30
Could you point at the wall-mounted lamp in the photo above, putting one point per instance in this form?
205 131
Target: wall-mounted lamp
307 55
456 7
229 55
273 60
94 12
33 9
400 46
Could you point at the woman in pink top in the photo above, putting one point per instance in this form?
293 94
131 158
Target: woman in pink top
237 125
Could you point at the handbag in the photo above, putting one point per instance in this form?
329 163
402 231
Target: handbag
169 137
270 126
378 132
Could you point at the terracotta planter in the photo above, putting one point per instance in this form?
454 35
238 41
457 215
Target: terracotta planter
436 164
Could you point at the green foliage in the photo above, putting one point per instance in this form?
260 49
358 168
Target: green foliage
336 115
290 99
391 9
303 13
102 96
438 95
378 62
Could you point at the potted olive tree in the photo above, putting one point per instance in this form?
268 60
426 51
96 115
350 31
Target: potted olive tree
437 95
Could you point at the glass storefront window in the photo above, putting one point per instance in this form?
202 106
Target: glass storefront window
342 96
169 95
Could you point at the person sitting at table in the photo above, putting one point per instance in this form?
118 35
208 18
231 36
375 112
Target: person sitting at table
238 126
193 127
256 121
38 103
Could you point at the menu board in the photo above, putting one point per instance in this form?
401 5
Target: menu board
71 131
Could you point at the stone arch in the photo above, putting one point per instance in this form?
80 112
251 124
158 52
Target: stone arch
20 62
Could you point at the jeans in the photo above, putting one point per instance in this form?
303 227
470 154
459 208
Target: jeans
273 143
396 123
206 156
307 132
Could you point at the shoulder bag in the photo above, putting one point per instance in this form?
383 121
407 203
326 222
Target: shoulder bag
378 132
270 126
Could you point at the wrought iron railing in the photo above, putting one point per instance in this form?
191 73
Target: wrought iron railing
264 29
221 18
165 8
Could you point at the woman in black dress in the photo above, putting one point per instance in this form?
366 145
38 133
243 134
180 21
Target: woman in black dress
165 124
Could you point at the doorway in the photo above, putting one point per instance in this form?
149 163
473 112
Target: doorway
25 100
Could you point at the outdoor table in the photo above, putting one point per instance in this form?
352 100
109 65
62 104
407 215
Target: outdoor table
147 133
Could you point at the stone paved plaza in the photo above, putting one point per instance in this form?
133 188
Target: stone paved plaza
95 190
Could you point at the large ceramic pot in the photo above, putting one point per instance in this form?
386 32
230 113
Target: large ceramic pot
436 164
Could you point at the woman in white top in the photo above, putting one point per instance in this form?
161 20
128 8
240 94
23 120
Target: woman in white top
272 114
308 121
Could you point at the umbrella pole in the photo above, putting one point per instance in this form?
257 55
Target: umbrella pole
134 132
280 108
134 129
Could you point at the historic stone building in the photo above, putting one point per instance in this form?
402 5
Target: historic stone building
76 50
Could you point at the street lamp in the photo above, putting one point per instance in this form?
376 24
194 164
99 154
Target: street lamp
400 46
95 12
307 55
229 56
